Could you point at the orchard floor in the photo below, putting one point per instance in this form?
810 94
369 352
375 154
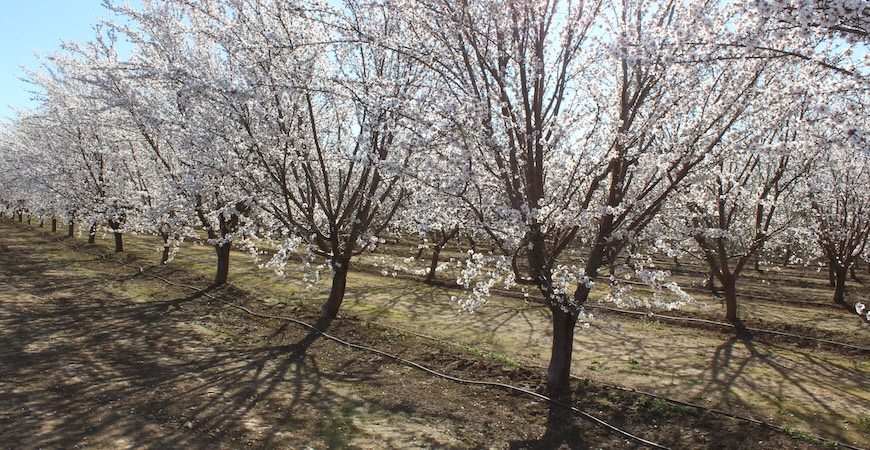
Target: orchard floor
96 354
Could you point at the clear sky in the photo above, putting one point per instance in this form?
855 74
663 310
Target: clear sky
40 25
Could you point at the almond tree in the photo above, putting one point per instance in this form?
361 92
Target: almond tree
838 190
568 134
75 128
321 122
171 91
744 202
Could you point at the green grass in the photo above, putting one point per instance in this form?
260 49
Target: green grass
662 406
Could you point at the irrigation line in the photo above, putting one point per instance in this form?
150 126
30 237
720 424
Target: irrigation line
534 394
728 325
513 294
396 358
633 390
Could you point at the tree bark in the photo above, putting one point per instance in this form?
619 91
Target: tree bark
729 288
832 278
840 274
441 240
329 310
711 283
559 371
119 242
433 264
92 235
119 238
223 263
164 259
54 224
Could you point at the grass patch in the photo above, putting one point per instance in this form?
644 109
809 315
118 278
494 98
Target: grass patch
662 406
474 351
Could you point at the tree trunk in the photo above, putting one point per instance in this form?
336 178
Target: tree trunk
420 249
840 274
223 263
70 231
92 235
711 283
164 259
119 242
472 243
852 274
42 222
433 264
54 224
21 217
119 236
559 371
729 288
832 278
787 258
29 218
329 310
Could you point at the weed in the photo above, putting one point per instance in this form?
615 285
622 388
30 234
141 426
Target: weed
797 434
633 363
596 366
506 360
662 406
474 351
490 338
388 335
613 396
650 325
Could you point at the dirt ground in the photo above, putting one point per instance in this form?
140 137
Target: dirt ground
94 354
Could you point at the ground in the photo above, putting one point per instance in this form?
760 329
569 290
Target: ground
96 354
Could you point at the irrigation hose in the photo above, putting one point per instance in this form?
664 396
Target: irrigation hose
396 358
534 394
636 391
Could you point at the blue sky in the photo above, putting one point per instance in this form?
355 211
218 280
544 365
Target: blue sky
41 25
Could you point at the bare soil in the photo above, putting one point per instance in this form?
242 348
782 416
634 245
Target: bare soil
95 354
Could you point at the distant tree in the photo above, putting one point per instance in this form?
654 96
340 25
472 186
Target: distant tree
839 195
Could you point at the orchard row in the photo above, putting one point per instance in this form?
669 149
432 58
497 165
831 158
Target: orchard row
729 131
